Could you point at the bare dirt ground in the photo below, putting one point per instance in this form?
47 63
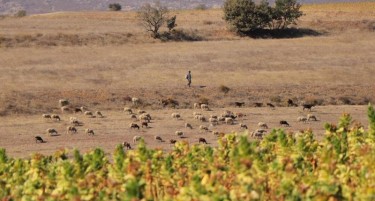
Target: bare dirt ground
18 132
101 59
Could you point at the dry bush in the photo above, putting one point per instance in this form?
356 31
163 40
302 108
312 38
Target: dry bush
224 89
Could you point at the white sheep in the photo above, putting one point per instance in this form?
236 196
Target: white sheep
303 119
89 131
187 125
145 117
136 138
128 110
201 118
262 125
204 107
63 102
228 120
51 131
176 115
135 101
311 117
71 129
197 105
179 133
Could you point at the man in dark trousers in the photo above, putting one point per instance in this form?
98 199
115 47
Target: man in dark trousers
188 77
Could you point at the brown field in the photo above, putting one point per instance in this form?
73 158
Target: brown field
100 59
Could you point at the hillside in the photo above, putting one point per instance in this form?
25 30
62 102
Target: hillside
47 6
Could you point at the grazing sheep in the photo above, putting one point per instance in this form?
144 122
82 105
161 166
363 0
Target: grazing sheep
179 133
284 123
88 113
56 117
51 131
145 117
136 138
221 119
213 116
271 105
176 115
213 120
202 140
47 116
39 139
75 122
128 110
201 118
133 116
63 102
141 111
126 145
243 126
144 124
89 131
172 141
99 114
258 104
158 138
303 119
204 107
291 103
311 117
71 129
65 109
201 127
133 125
239 104
187 125
135 101
307 106
262 125
258 133
78 109
228 121
216 133
196 106
240 115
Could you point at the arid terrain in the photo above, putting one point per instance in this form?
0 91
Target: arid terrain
101 59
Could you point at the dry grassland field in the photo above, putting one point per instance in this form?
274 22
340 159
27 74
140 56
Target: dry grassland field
101 59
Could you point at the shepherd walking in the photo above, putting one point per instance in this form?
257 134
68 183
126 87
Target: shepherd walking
188 77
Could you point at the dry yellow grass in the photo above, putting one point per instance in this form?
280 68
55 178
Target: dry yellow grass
100 59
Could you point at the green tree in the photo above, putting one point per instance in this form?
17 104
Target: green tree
285 13
245 15
153 17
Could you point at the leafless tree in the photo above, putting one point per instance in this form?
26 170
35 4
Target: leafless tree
153 17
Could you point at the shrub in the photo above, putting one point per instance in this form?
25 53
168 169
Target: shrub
114 7
20 13
201 6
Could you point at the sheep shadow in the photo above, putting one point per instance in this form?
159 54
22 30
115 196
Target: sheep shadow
282 33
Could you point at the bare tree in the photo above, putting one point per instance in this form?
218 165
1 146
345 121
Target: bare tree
153 17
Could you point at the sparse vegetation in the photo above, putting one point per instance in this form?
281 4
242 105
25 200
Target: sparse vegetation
115 7
20 13
201 6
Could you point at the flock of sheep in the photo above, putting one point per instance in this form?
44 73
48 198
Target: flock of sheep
142 119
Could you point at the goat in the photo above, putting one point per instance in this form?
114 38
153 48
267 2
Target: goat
258 104
145 124
307 106
158 138
271 105
243 126
172 141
